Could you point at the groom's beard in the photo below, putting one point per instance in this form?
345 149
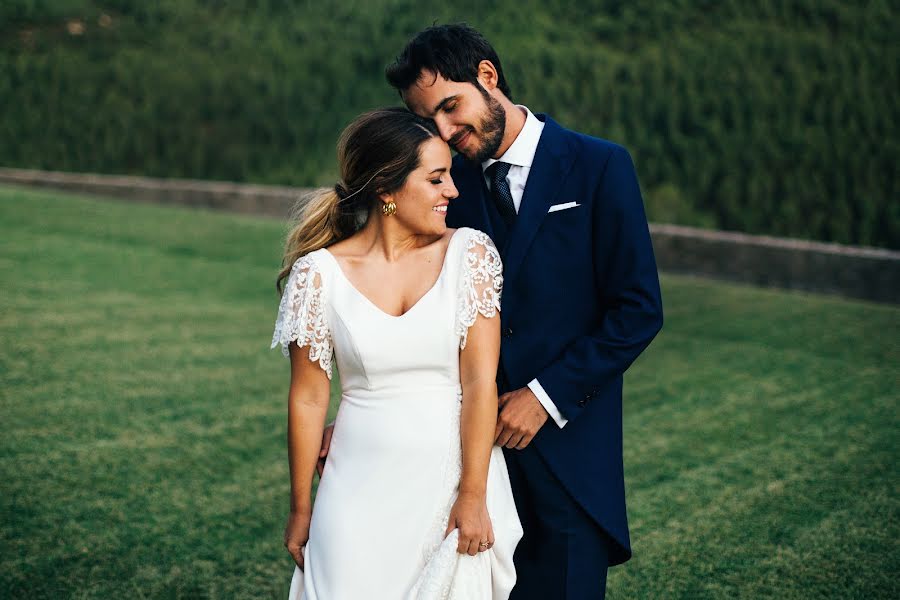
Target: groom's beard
490 132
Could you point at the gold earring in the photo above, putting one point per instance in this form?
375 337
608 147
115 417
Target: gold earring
388 208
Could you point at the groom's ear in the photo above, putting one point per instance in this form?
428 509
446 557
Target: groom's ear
487 75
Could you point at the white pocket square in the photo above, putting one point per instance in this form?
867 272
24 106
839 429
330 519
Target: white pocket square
563 206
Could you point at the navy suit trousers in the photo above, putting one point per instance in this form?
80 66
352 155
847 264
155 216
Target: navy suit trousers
563 554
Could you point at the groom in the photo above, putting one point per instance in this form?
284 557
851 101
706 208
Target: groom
581 301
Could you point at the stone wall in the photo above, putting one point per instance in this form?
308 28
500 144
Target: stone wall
866 273
269 200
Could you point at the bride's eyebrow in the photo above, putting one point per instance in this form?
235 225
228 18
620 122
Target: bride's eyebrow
440 170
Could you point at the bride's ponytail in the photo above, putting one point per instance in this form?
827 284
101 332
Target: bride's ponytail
376 153
317 224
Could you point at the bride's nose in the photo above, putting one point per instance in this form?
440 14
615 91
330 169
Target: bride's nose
450 192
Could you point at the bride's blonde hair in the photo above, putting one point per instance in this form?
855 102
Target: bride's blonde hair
376 153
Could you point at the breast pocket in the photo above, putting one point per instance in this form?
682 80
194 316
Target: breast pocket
565 227
563 206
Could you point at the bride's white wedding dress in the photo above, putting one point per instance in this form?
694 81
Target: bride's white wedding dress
394 465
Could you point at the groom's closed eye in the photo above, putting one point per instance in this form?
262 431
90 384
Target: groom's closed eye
447 104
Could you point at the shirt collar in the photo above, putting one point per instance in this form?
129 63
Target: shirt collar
521 152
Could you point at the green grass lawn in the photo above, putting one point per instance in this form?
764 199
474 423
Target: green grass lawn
143 421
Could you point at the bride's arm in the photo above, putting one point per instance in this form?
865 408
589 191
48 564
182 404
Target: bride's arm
478 373
308 398
307 406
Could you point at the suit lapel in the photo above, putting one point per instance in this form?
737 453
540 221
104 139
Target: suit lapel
551 164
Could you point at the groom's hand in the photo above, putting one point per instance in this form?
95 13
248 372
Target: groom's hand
521 416
326 446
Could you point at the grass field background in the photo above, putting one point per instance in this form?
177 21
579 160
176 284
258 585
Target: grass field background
143 421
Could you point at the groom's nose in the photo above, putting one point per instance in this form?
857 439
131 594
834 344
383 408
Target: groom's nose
445 128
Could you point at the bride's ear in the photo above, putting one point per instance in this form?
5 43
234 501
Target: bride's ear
388 206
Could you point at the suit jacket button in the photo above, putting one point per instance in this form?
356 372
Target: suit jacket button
507 333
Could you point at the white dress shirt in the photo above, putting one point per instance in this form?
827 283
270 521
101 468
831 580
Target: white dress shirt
520 155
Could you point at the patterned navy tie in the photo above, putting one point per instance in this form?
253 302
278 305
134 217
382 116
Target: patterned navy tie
500 190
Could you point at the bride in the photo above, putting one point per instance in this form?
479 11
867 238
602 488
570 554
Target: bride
414 501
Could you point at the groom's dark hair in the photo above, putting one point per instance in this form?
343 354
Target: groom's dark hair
452 51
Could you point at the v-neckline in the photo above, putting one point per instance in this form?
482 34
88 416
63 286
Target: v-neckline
416 303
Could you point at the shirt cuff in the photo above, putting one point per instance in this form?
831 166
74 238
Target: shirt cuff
535 386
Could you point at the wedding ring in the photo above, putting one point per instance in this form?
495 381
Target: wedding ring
483 545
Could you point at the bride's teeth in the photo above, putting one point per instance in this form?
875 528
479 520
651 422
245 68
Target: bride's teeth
440 209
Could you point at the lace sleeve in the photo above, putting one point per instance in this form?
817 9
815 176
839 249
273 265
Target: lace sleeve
301 314
480 283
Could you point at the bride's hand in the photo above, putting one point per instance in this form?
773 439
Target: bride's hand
469 514
296 534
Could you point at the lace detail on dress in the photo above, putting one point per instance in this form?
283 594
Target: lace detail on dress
301 314
480 283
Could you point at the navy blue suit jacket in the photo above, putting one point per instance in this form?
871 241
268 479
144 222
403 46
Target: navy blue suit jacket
580 302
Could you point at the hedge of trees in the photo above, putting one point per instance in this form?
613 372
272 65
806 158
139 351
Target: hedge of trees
766 116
